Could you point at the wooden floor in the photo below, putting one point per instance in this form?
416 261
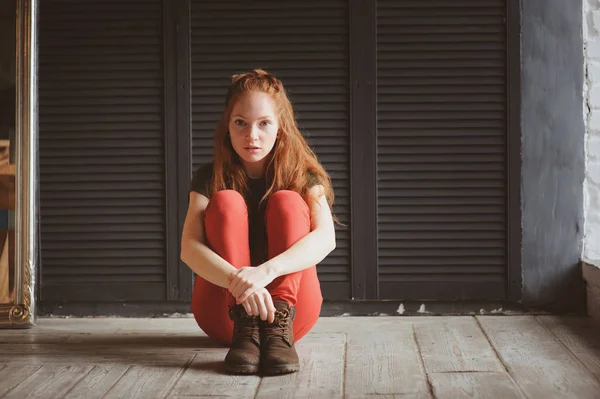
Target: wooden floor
377 357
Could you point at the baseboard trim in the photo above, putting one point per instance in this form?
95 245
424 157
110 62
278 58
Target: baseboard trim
330 309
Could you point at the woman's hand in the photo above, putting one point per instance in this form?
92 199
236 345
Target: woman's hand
260 304
248 280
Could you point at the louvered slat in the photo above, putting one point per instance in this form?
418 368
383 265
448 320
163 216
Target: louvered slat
102 150
441 149
309 52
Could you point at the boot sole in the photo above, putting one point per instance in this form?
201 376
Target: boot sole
282 369
242 369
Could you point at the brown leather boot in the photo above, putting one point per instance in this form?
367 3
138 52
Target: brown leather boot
244 355
278 354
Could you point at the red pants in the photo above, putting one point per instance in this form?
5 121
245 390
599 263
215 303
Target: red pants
226 225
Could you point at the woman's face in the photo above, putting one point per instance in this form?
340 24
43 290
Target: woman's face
253 127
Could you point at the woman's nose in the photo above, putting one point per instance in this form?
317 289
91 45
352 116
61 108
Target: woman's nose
253 132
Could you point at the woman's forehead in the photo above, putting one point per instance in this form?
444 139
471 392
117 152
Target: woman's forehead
254 105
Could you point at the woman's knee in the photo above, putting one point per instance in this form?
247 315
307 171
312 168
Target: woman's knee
286 204
283 197
227 203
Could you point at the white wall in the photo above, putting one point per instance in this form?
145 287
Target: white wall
591 96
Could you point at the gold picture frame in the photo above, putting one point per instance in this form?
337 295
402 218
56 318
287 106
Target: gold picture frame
20 311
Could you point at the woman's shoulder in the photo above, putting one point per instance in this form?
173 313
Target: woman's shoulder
205 168
202 179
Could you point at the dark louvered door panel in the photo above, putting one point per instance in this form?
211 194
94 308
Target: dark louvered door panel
306 45
101 151
442 149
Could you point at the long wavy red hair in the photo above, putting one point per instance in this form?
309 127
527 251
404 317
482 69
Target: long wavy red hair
290 162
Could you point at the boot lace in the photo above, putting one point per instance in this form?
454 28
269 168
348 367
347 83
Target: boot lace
247 326
279 326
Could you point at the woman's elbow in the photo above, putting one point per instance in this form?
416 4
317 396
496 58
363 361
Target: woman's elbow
184 253
332 243
182 256
332 247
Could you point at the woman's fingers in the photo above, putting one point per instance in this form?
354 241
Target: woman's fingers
270 307
244 287
247 307
238 290
251 307
232 275
267 309
254 305
247 293
247 281
239 285
238 282
262 306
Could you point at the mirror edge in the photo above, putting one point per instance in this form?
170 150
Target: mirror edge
22 312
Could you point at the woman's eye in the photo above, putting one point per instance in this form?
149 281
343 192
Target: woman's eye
239 122
265 123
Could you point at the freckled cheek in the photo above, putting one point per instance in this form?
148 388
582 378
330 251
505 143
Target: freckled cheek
235 129
236 139
237 135
271 132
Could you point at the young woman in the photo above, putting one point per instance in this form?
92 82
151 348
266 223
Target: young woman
258 222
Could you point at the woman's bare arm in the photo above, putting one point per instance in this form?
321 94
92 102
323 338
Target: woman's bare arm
194 251
313 247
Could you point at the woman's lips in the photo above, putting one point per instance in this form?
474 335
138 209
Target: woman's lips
252 149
